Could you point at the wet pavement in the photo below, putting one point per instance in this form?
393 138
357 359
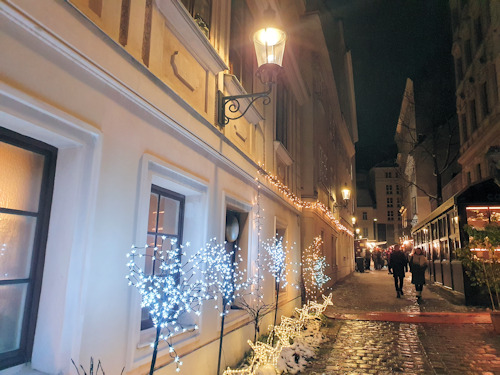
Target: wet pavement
370 331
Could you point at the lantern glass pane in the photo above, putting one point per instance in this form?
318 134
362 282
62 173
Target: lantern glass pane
269 46
346 194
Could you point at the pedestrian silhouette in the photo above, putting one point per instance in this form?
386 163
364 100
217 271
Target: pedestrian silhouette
418 265
398 264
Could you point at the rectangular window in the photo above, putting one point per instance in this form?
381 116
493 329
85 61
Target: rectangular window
398 202
388 189
473 115
365 232
483 98
201 11
478 32
282 106
165 220
237 235
390 215
463 127
459 70
365 215
467 52
241 53
398 189
478 172
389 202
27 169
388 174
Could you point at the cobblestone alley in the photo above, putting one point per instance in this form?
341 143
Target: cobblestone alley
373 332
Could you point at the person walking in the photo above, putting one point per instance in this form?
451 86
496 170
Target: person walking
418 265
398 263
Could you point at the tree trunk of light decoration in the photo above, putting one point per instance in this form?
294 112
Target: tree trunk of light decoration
155 350
224 304
277 287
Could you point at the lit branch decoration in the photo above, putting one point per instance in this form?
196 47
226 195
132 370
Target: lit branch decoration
275 260
300 204
221 273
313 269
224 279
169 291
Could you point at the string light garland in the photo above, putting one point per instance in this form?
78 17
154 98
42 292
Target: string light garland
313 269
301 204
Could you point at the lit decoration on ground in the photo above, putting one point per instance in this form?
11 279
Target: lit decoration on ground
170 286
313 269
301 204
267 356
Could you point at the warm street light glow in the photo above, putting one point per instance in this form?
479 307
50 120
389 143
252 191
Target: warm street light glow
357 230
269 45
346 193
353 220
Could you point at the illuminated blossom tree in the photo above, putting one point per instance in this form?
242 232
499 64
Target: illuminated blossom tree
252 300
313 269
275 261
170 284
224 278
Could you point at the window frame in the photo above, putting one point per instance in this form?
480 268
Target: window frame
191 7
390 215
32 300
241 55
163 192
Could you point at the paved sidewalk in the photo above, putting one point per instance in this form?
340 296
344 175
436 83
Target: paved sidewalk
389 341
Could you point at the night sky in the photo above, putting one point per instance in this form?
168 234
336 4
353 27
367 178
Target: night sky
391 40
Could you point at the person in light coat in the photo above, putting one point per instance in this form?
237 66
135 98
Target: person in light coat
418 265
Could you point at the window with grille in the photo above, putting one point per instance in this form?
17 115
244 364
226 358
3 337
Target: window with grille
390 215
389 202
388 189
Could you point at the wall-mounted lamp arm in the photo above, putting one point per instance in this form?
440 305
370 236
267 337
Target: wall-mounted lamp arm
233 104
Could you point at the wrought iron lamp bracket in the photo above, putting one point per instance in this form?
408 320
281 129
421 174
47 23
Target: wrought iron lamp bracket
234 106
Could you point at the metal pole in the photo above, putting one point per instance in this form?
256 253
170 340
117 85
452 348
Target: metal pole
155 350
220 340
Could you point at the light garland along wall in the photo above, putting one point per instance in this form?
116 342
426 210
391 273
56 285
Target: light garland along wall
300 204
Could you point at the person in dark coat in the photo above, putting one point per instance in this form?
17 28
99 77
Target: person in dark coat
418 265
398 263
368 259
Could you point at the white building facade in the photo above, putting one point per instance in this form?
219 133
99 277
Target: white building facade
110 137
